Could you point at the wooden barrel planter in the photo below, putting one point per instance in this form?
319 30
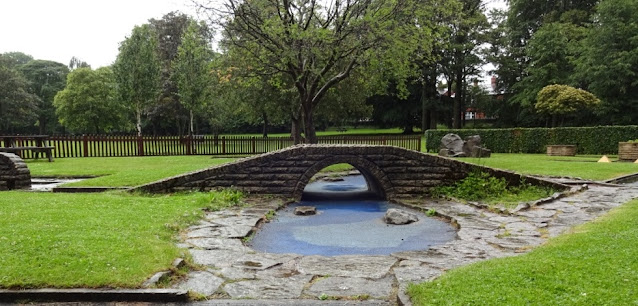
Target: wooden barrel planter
561 150
628 151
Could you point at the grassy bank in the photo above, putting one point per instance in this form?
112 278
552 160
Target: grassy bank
580 166
91 240
121 171
595 264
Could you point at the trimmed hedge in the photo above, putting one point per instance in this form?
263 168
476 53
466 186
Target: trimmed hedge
588 140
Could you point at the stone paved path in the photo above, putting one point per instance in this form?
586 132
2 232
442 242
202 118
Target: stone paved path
238 272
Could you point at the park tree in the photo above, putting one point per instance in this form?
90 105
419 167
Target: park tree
552 52
168 110
249 99
89 102
137 72
513 29
76 63
46 79
427 56
504 52
392 109
315 45
18 106
15 59
562 100
523 62
192 70
609 63
461 58
345 103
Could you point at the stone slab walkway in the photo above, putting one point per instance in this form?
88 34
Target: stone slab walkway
234 271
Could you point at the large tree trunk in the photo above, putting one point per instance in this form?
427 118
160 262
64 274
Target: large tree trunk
264 130
190 125
424 107
138 121
309 125
433 118
459 112
42 125
295 130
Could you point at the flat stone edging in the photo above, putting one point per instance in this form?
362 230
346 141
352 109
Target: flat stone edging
94 295
623 179
86 189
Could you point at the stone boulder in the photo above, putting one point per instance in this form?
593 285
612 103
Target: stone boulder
305 210
472 147
399 217
453 146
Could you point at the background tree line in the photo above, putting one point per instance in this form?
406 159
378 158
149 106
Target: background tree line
301 65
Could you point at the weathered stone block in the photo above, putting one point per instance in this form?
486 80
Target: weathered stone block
15 173
399 217
305 210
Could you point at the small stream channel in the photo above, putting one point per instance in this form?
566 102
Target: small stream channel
47 184
352 226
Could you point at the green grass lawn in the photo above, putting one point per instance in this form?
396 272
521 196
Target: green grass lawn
584 167
121 171
595 264
333 132
91 240
119 240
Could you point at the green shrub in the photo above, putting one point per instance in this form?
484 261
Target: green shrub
480 186
588 140
226 198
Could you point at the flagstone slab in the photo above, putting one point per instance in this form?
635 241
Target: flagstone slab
347 265
339 286
268 288
202 282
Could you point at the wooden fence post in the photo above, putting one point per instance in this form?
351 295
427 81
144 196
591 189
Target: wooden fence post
140 145
223 144
85 145
254 146
189 149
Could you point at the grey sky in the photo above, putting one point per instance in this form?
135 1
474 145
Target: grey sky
88 29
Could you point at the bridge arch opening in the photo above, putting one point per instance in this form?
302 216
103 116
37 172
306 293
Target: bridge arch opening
375 184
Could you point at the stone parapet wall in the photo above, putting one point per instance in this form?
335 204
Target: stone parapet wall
14 173
391 172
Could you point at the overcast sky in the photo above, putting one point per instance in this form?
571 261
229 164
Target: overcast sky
88 29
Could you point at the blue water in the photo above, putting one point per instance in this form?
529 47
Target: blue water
348 227
350 183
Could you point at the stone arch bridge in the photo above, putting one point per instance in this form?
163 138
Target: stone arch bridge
391 172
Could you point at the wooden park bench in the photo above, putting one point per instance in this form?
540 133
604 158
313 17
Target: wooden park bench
11 145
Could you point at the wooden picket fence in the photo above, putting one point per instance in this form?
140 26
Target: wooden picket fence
121 146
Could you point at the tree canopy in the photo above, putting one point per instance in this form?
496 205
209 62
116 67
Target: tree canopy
46 79
89 102
137 72
18 106
315 46
562 100
609 64
192 69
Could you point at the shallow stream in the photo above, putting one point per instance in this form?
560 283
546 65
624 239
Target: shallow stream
347 227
